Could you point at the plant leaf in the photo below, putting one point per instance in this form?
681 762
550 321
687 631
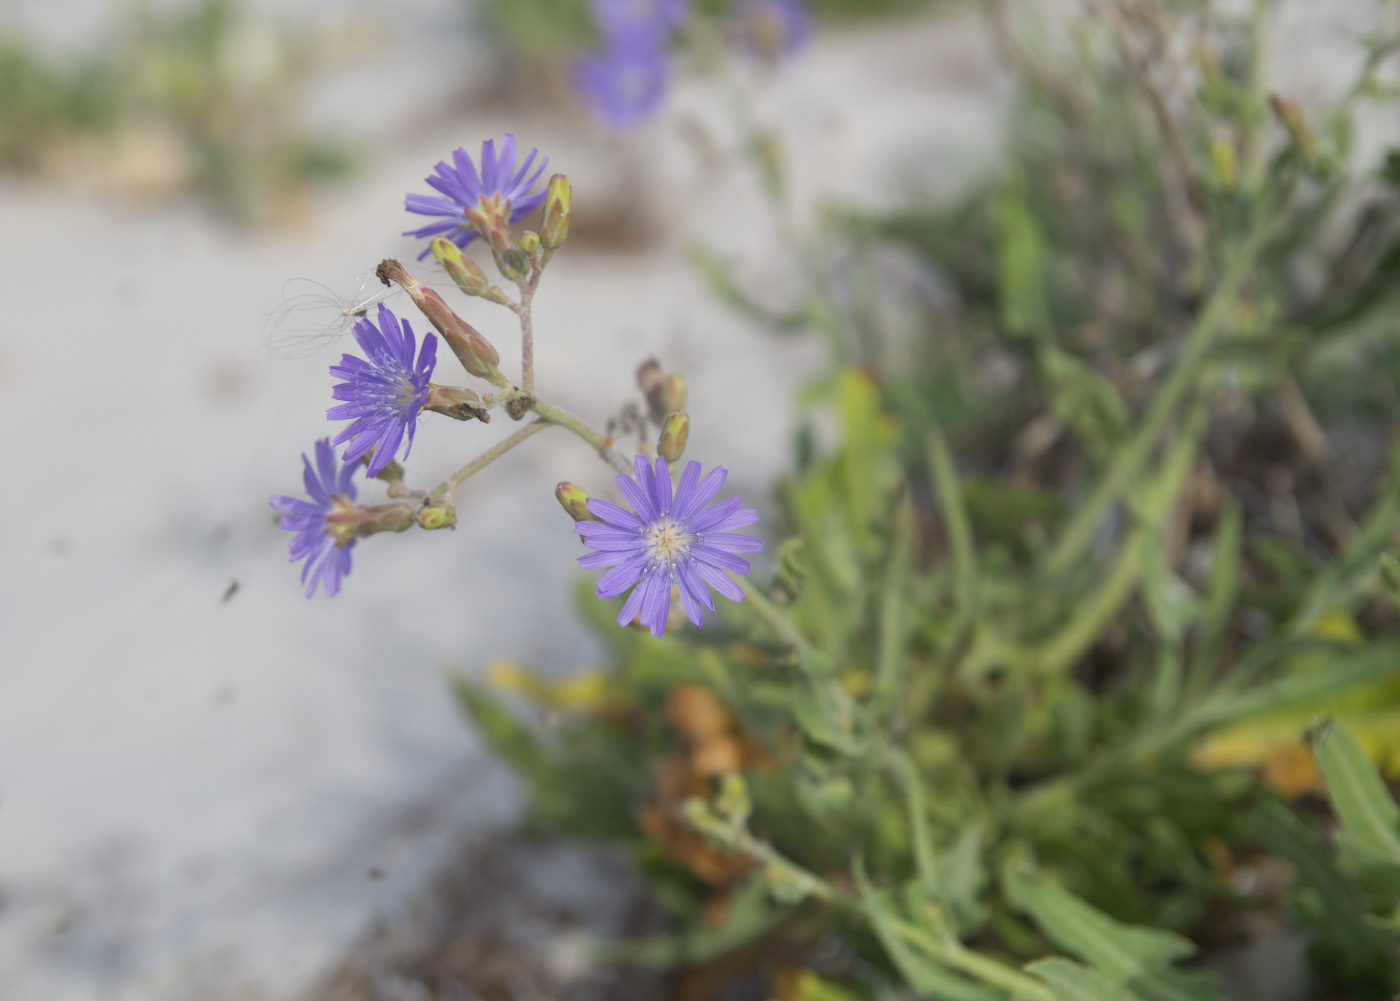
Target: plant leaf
1073 982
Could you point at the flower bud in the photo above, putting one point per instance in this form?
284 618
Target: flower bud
439 514
673 394
456 402
674 432
650 377
558 206
513 262
474 351
463 270
574 499
347 520
1290 114
530 244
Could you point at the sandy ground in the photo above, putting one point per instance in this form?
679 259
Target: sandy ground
211 799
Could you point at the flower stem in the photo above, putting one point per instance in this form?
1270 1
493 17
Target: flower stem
586 431
1135 454
450 485
525 310
779 869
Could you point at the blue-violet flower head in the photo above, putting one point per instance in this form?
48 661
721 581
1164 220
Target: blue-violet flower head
500 192
384 390
327 556
625 82
669 538
622 18
770 29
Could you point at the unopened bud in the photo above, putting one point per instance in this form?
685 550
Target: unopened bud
673 395
574 499
456 402
348 520
530 244
558 206
652 382
1291 115
513 262
650 377
674 432
440 514
474 351
463 270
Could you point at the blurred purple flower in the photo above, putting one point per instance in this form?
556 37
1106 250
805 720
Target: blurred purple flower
622 18
670 540
500 190
327 560
624 83
770 29
383 391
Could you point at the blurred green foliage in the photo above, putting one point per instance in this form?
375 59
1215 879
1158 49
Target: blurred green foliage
1084 616
200 98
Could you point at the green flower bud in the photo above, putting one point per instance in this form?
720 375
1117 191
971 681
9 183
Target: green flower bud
513 262
530 244
673 394
464 271
674 432
558 205
574 499
440 514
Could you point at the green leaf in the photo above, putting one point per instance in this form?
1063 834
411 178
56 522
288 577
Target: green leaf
749 916
922 973
1021 264
953 506
1083 399
1073 982
1358 794
1281 831
892 650
826 713
1352 667
507 735
1129 956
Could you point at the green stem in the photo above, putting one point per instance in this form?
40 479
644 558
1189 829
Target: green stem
1128 463
525 310
787 633
450 485
781 870
586 431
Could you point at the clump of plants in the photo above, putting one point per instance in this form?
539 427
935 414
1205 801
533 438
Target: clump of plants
1077 656
201 99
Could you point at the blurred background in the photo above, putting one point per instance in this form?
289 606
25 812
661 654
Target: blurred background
211 787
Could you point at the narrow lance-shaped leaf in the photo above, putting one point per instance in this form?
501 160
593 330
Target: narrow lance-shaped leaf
1132 957
922 972
1071 981
1369 816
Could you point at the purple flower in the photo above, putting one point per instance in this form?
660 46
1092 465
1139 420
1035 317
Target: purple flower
327 556
622 18
770 29
670 540
624 84
383 391
499 192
